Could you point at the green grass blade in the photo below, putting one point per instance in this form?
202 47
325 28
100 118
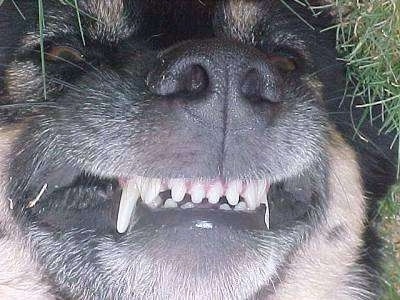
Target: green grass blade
41 32
19 11
79 22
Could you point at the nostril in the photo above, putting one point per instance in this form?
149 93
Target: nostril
251 85
259 87
195 79
181 79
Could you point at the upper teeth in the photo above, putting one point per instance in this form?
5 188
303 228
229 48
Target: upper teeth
233 192
197 191
178 189
254 193
215 192
127 205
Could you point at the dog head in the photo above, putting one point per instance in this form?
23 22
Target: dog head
180 144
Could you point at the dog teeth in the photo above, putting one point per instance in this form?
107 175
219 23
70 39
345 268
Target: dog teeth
261 189
178 189
266 216
241 206
215 192
127 205
225 206
253 194
197 192
187 205
233 191
250 195
149 190
169 203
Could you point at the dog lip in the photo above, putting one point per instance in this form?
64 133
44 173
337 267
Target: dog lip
200 219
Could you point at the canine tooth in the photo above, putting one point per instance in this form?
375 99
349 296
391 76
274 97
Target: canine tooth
241 206
169 203
178 189
250 195
225 206
127 205
187 205
263 197
150 189
215 192
261 189
233 191
197 192
266 217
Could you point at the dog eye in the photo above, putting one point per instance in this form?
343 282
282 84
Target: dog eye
63 53
283 63
284 59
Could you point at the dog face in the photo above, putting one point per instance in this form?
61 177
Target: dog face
182 149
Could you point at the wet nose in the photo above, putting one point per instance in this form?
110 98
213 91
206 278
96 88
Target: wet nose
196 70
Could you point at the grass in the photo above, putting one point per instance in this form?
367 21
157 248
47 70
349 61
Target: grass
368 39
41 21
41 31
390 230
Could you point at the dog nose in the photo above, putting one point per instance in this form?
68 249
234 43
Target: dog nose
196 70
185 77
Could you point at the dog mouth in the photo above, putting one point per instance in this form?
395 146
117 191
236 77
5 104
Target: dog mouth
200 198
122 204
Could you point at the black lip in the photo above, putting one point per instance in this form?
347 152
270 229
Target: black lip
200 218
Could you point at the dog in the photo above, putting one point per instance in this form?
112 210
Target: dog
183 150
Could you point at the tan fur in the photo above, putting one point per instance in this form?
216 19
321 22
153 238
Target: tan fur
315 85
110 20
320 268
21 79
20 277
242 16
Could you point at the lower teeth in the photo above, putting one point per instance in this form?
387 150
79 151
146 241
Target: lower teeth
187 205
169 203
225 207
